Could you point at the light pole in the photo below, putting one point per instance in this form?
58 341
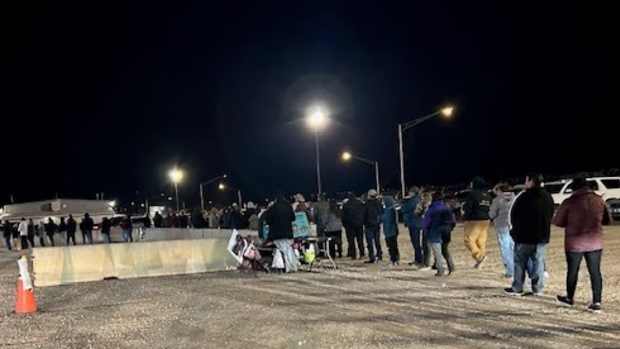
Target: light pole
445 112
317 120
202 197
176 175
346 156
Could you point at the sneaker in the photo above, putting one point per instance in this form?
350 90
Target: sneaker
370 261
434 267
509 291
538 294
595 307
479 262
438 274
565 301
507 276
546 275
424 268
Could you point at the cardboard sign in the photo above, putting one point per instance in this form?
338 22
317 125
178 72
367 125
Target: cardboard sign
301 225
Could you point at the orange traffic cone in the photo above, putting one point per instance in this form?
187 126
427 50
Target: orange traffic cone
25 303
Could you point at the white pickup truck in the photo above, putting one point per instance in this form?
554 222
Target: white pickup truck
607 187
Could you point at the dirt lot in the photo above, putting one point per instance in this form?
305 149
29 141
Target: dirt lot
357 306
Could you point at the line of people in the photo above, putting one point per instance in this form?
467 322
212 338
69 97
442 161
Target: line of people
23 235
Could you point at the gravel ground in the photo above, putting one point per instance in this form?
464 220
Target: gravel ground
357 306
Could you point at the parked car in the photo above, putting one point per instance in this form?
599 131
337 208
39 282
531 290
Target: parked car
614 208
607 187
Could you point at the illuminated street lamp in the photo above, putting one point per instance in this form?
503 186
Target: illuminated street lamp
176 176
221 186
202 197
316 120
445 112
347 156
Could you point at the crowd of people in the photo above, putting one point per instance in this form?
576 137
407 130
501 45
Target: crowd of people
24 235
522 223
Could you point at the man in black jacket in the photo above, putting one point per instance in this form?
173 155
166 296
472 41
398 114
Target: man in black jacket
476 215
86 226
530 219
280 218
353 213
71 228
372 223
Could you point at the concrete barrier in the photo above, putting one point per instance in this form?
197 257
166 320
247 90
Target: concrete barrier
66 265
158 234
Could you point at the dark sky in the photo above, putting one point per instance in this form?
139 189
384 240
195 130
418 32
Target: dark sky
106 98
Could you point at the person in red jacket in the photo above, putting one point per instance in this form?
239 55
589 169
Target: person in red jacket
583 215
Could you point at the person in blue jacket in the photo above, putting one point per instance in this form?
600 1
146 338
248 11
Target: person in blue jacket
414 223
390 228
438 223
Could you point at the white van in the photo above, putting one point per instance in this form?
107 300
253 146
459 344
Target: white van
607 187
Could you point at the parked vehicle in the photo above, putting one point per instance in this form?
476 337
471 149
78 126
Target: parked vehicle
607 187
614 208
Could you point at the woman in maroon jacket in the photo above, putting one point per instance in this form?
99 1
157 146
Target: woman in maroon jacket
583 216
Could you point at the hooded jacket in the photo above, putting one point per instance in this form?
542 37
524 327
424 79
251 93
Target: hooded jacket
500 210
373 213
353 213
280 219
583 215
409 215
438 220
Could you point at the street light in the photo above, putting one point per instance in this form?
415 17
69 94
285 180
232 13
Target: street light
223 187
317 120
347 156
445 112
202 198
176 176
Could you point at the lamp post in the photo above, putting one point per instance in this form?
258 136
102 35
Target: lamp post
202 197
317 120
402 127
347 156
176 176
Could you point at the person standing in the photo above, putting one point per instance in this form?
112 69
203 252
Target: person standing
353 214
439 222
390 228
583 215
50 230
39 230
127 228
372 224
321 215
333 229
476 216
499 216
6 233
86 226
530 218
62 228
71 228
280 218
23 233
31 232
106 227
414 223
235 217
158 220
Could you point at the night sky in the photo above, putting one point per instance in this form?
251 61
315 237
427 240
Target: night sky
106 98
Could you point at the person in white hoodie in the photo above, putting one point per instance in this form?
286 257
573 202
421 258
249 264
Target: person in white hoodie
499 213
23 233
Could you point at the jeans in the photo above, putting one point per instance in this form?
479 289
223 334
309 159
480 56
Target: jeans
106 238
31 239
373 243
128 235
506 249
392 245
7 242
291 262
355 235
24 242
415 233
439 260
87 236
70 236
593 261
522 254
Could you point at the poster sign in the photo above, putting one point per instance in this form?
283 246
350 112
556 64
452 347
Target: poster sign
301 226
